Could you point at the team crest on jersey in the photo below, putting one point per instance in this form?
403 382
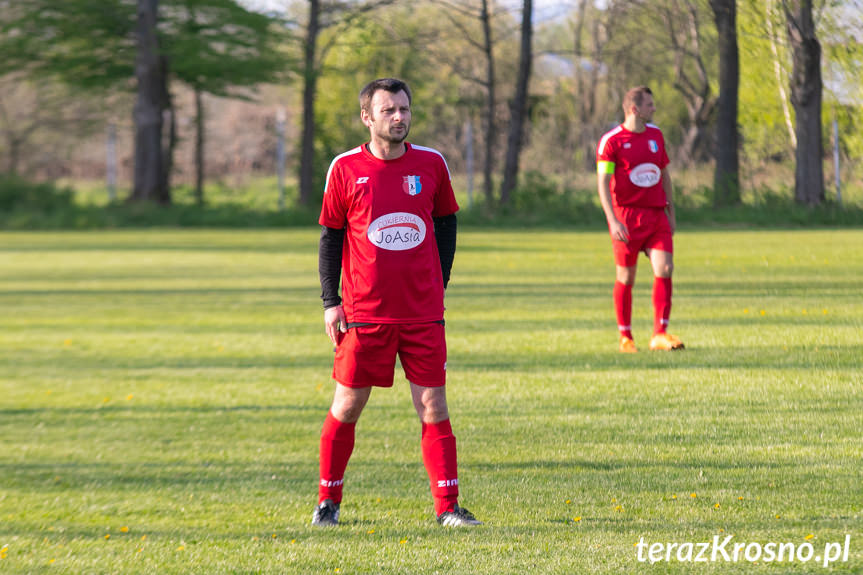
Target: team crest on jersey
654 147
411 185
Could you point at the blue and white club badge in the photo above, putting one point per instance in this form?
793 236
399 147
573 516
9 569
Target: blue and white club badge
411 185
654 147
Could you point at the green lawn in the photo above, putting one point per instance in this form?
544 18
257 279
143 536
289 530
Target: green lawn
162 392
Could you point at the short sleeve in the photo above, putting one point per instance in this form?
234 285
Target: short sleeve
445 202
333 210
664 159
605 151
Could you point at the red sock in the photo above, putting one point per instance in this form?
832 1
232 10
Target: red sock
623 307
337 443
439 456
661 304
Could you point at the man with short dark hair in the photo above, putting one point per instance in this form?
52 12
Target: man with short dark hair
636 195
389 232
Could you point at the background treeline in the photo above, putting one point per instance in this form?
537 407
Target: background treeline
222 106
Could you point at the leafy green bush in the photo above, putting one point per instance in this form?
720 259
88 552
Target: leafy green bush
18 194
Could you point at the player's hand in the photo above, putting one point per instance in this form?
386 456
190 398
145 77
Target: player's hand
618 231
334 322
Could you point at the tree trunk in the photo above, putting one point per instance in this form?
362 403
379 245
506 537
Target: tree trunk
806 88
199 146
149 168
490 125
726 178
777 71
519 105
169 138
310 81
694 85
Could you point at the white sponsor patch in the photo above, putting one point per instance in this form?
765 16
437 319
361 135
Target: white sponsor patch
645 175
397 231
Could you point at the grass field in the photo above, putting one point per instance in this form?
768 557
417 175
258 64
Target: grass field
162 392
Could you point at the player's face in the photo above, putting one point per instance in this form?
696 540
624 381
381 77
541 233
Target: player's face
646 109
389 119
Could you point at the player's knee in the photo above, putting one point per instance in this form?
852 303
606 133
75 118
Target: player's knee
434 410
347 410
626 276
665 270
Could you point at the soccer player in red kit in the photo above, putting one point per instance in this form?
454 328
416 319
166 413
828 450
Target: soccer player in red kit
636 195
389 233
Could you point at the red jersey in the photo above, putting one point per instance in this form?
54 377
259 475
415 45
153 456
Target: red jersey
391 270
636 160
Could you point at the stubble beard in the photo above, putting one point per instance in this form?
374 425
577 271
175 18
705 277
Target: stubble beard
393 137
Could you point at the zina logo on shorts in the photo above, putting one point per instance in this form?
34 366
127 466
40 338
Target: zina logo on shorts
397 231
645 175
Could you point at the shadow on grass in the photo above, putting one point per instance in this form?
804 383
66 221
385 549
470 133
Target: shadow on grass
803 358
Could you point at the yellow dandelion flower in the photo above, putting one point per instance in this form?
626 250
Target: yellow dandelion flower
576 519
129 397
674 496
106 400
763 312
778 517
181 548
824 311
107 536
139 549
745 310
568 501
614 499
403 541
143 537
370 532
740 498
810 536
619 509
124 529
255 538
716 506
804 312
293 541
337 570
275 536
67 342
693 495
51 561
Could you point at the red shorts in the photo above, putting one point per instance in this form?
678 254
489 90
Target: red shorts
648 229
366 354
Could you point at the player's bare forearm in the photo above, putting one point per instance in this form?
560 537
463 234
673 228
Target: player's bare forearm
617 230
669 199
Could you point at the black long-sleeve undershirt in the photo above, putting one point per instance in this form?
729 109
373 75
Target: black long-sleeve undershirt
330 264
445 236
332 243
